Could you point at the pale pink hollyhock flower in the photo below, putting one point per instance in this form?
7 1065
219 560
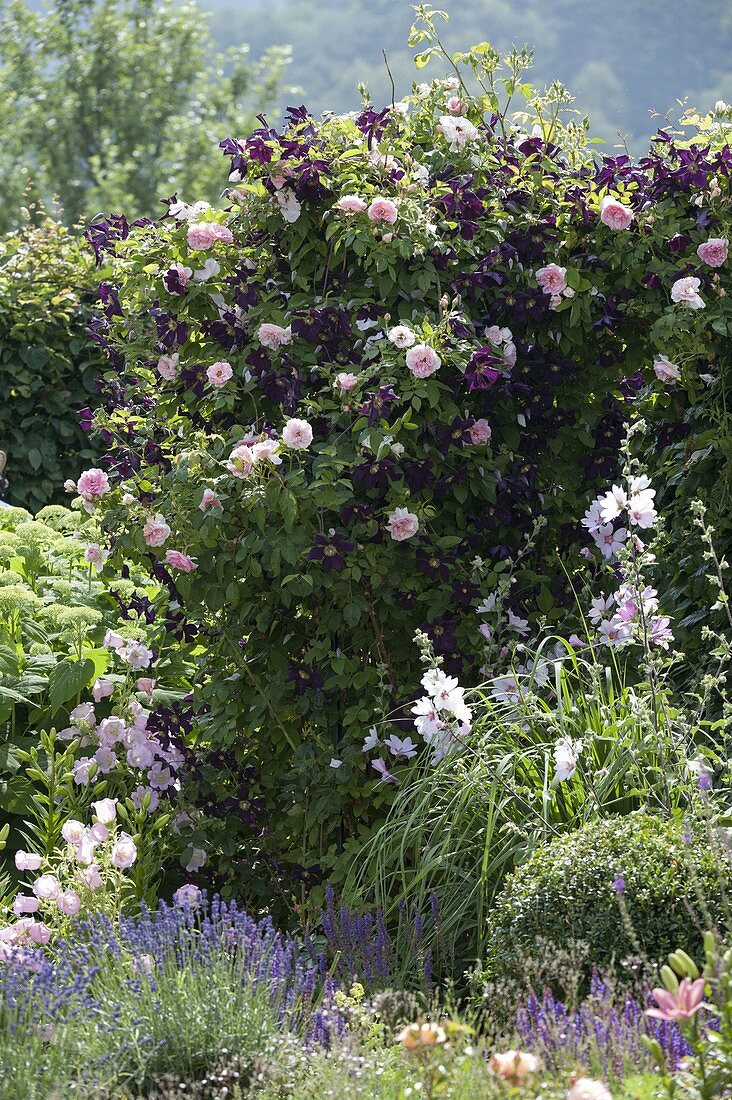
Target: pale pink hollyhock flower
105 810
273 336
47 887
68 903
92 485
576 642
27 861
102 689
188 895
197 860
480 432
91 876
402 524
98 833
585 1088
73 831
241 461
40 933
156 530
219 373
209 500
383 211
401 336
168 367
124 852
24 903
180 561
423 360
681 1005
146 684
514 1065
351 204
665 370
614 215
686 292
346 381
552 278
297 434
714 251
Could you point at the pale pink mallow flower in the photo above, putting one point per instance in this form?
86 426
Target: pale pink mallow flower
167 367
180 561
27 861
480 432
714 251
402 524
401 336
47 887
681 1005
102 689
422 360
665 370
586 1088
156 531
297 434
274 336
345 381
383 211
124 852
219 373
68 903
614 215
552 278
241 461
209 501
685 292
351 204
188 896
203 235
92 485
513 1065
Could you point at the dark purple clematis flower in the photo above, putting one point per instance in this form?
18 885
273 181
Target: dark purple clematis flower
171 332
374 407
306 678
172 282
483 370
433 563
329 550
378 474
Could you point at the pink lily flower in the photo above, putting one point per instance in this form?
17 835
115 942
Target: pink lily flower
681 1005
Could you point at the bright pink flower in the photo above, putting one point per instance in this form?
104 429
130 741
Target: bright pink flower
480 432
351 204
297 434
402 524
552 278
219 373
383 211
713 251
681 1005
423 360
614 214
209 500
180 561
156 530
92 485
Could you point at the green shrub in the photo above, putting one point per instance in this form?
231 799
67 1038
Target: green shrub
567 892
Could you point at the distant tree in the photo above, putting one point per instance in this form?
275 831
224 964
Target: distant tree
114 104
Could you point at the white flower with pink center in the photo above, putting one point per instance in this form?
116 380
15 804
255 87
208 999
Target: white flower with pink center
552 279
457 132
351 204
665 370
167 367
423 360
219 373
345 381
685 292
297 434
401 336
402 524
609 540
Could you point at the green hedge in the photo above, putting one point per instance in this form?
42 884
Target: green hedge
48 364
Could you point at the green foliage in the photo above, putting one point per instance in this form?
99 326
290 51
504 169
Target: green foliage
565 893
112 106
48 365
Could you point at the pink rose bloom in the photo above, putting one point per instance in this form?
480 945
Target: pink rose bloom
480 432
209 500
665 370
146 684
351 204
219 374
586 1088
273 336
180 561
455 106
27 861
346 381
223 233
402 524
188 895
401 336
183 274
267 450
73 831
383 211
47 887
124 852
92 485
297 434
686 292
40 933
102 689
241 461
552 278
614 215
94 553
423 360
509 354
68 903
513 1065
713 251
156 530
168 367
203 235
24 903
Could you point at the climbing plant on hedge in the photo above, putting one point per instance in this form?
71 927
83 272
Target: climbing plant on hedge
343 400
48 363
